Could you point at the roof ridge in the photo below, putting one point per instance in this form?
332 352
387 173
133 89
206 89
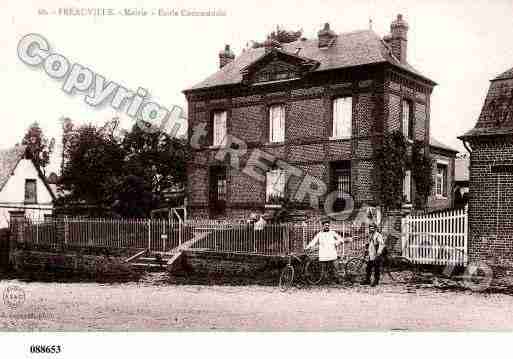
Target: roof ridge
508 74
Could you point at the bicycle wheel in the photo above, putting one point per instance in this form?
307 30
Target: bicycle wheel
340 268
401 270
313 271
286 278
356 270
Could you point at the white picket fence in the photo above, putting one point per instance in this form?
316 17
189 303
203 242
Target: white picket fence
436 238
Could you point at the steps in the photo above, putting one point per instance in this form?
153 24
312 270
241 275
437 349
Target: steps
151 262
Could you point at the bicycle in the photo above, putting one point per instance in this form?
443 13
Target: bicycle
316 270
288 273
307 268
399 269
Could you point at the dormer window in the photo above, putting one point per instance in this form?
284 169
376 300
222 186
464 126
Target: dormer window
277 65
275 76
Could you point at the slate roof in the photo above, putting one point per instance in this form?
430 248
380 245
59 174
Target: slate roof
496 117
505 75
433 142
9 159
350 49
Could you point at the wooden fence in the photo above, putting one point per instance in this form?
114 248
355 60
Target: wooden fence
437 238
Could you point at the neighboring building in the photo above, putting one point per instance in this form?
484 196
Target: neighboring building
490 144
23 187
315 107
442 195
462 174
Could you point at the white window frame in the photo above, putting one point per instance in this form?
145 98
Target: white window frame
219 128
406 119
274 183
407 186
277 123
342 122
442 178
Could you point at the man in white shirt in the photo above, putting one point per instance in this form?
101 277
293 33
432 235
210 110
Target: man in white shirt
327 240
260 224
375 250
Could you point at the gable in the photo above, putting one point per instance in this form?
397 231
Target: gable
275 71
13 190
276 65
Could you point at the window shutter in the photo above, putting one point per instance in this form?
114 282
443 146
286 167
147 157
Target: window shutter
407 186
269 185
275 183
281 110
277 123
219 127
342 117
406 119
444 176
280 182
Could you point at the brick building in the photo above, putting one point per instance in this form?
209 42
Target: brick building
301 119
490 144
442 194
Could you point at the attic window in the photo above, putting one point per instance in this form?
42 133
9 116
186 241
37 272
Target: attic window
275 76
30 191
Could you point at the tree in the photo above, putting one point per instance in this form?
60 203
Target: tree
285 36
125 172
94 166
281 35
38 146
156 157
134 199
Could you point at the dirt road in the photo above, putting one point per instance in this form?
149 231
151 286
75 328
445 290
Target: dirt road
146 306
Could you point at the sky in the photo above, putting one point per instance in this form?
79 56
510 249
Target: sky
461 45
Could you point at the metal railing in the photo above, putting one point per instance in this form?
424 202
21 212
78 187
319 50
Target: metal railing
163 235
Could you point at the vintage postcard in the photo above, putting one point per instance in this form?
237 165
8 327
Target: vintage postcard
273 166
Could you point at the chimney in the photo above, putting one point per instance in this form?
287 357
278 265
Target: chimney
270 44
399 38
225 56
326 36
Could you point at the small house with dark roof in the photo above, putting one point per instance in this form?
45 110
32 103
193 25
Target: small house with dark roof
442 193
490 144
24 190
302 119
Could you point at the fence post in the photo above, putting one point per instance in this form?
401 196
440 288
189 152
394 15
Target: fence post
149 234
303 230
66 230
179 233
37 232
404 236
465 235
